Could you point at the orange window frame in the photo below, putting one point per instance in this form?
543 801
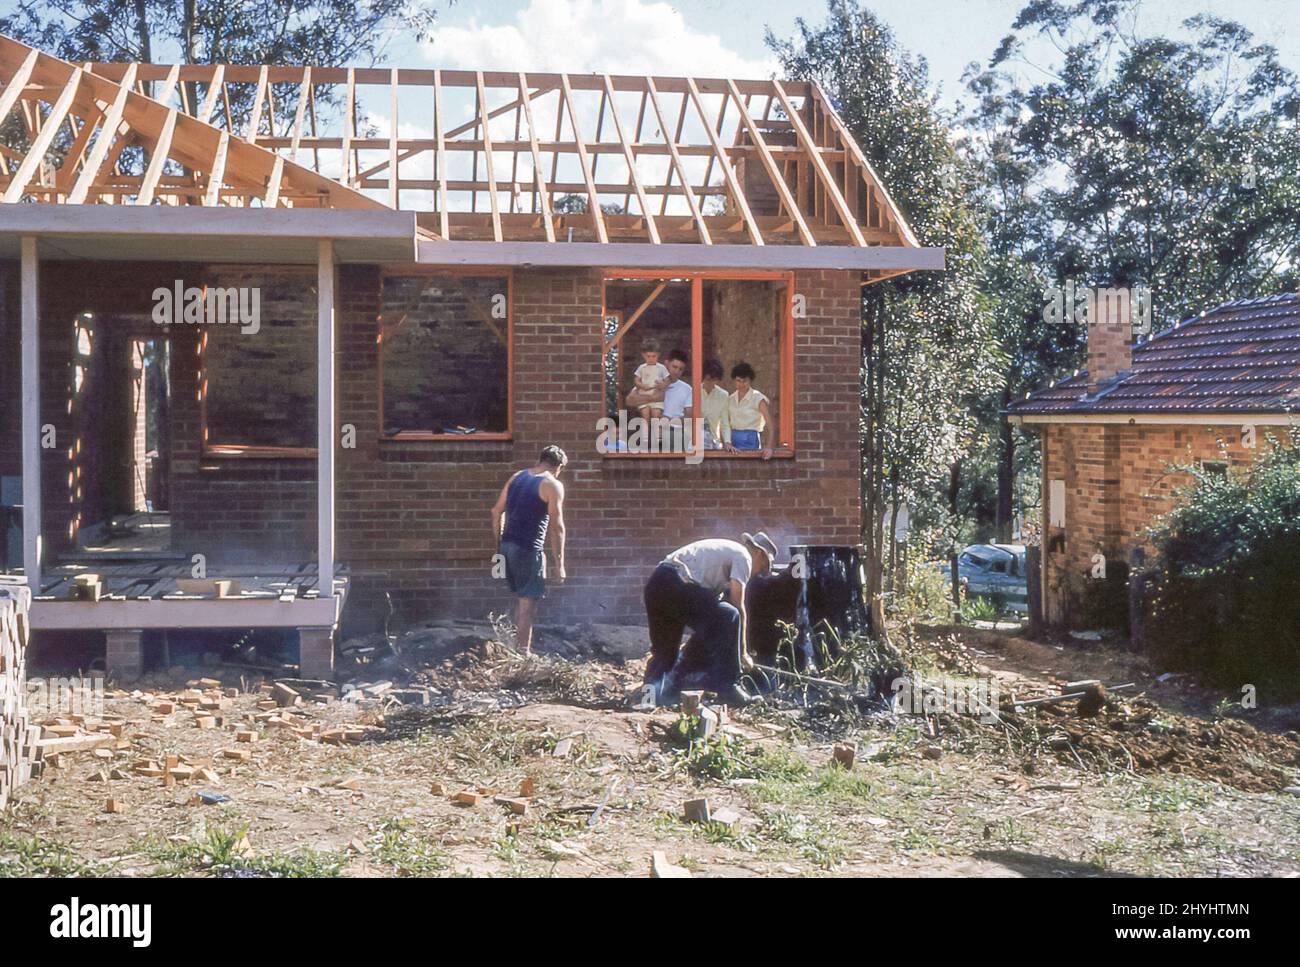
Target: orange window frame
453 272
785 447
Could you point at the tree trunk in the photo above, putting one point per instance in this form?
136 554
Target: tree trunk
954 489
190 48
1006 471
872 504
893 533
142 32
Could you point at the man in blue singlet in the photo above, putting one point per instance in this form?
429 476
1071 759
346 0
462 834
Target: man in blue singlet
532 502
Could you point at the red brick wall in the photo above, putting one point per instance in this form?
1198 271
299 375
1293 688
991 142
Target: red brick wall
413 517
1117 481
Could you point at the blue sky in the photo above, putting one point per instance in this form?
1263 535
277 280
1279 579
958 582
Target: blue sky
725 37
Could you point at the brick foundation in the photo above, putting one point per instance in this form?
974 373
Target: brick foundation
316 653
124 654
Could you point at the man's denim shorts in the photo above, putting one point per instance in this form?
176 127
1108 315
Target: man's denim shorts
525 570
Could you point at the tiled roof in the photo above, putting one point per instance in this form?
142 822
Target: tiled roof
1239 357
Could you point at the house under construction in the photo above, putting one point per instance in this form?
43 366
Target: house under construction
274 337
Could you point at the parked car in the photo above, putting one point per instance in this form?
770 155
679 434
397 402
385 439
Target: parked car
995 571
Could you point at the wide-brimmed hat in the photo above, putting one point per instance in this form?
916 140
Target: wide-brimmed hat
763 543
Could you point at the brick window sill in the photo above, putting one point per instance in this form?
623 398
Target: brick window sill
778 453
258 453
414 437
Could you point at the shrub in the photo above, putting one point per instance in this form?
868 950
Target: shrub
1226 600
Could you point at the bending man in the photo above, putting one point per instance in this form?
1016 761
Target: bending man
702 587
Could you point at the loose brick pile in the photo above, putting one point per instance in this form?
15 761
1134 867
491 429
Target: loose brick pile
16 736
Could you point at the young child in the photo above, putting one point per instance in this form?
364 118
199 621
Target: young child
651 375
747 412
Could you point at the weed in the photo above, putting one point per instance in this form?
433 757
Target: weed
35 856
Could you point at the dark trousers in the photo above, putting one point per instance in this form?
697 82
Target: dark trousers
710 659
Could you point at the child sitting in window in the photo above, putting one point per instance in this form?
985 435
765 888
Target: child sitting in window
747 412
650 376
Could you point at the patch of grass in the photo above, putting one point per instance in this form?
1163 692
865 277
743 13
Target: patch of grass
36 856
830 785
917 839
723 757
816 841
1176 796
407 852
1010 832
221 852
836 782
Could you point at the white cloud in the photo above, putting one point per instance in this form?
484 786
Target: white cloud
580 36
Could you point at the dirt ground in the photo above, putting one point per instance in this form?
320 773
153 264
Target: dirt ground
1166 779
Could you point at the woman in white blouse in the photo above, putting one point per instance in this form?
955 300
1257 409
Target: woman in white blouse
747 412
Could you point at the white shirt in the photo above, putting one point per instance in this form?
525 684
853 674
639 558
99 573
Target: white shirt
713 563
677 396
647 377
744 414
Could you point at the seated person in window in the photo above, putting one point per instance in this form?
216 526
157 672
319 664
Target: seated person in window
651 375
715 401
672 401
747 412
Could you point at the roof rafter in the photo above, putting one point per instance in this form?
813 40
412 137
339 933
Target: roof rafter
725 161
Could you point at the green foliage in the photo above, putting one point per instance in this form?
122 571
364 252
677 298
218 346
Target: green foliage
27 856
1227 599
213 31
924 592
722 756
224 852
1130 159
915 416
980 607
332 32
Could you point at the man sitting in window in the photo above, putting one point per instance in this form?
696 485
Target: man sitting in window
675 403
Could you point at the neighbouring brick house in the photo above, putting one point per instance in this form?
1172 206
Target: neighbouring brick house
426 321
1210 391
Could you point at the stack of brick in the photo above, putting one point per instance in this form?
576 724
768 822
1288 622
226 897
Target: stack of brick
17 738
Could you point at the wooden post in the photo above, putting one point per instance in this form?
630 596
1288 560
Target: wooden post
31 434
325 416
697 364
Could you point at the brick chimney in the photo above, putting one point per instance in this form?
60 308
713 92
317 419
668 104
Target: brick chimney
1110 336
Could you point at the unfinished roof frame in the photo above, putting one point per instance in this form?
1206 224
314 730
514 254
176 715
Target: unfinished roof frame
694 139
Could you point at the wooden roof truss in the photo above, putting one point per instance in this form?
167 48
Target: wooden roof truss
478 155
